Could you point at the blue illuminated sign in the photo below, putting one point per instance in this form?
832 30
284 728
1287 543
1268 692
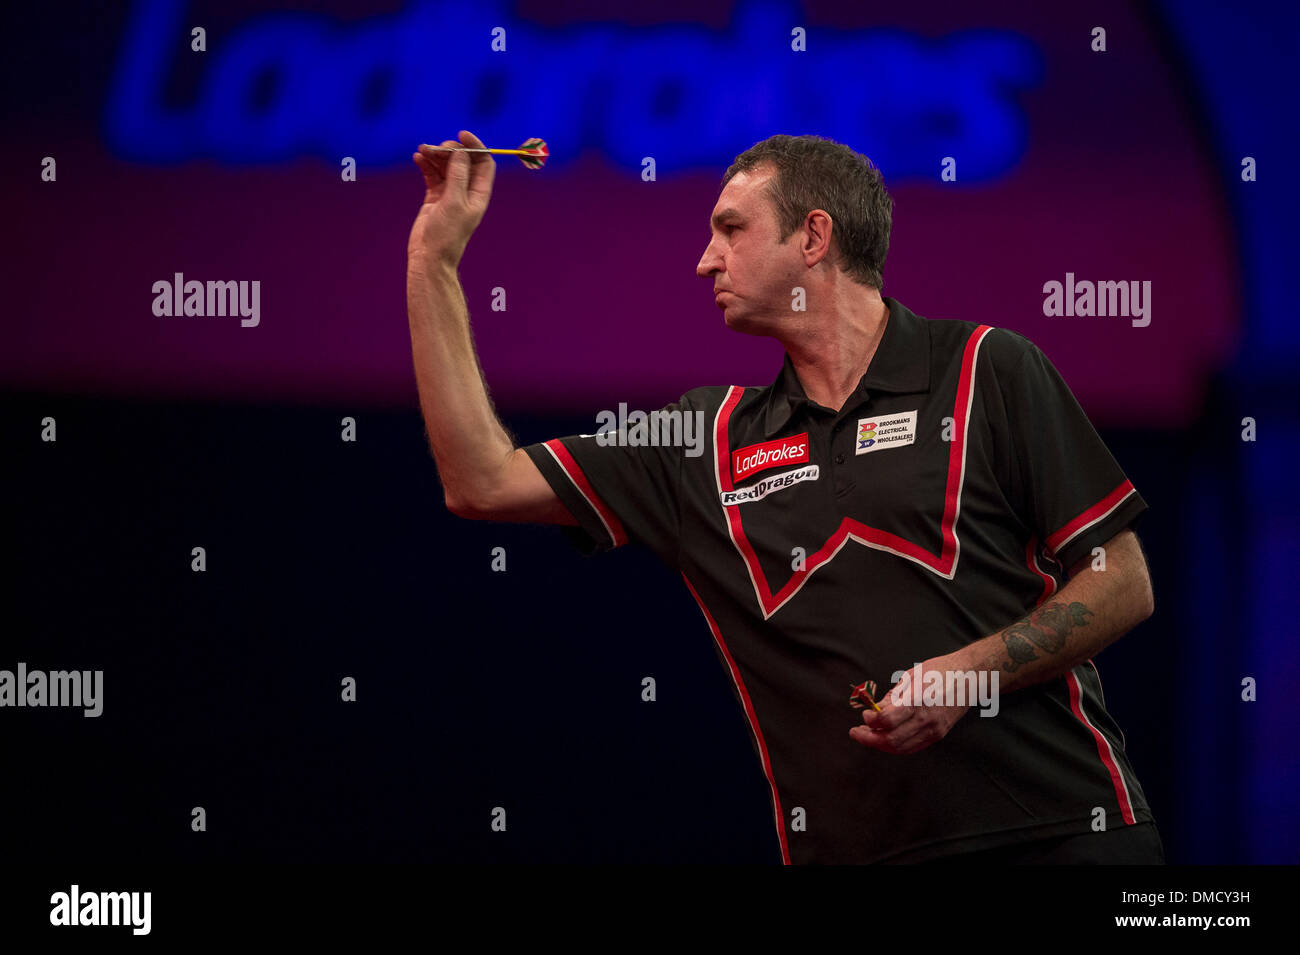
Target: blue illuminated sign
289 84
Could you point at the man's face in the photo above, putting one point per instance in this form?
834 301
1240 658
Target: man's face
753 273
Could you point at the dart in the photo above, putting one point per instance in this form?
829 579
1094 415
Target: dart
863 691
533 153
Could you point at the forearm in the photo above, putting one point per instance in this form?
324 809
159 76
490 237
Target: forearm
468 441
1089 613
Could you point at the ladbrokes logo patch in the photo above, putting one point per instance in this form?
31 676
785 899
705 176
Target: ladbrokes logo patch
777 482
889 431
769 454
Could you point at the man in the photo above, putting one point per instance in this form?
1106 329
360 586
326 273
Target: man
899 506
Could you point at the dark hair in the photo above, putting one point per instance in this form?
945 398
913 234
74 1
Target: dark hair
813 172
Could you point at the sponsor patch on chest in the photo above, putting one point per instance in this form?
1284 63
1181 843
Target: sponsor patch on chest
888 431
777 482
747 462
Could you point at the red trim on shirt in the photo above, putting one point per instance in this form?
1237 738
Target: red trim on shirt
753 721
1031 558
612 523
1093 514
1076 704
944 562
1103 749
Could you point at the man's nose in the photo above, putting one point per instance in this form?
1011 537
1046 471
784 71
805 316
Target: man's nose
707 264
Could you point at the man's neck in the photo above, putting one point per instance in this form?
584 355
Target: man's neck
831 358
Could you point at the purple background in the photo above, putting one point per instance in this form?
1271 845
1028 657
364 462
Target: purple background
598 266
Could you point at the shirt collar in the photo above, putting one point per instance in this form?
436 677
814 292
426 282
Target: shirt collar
901 365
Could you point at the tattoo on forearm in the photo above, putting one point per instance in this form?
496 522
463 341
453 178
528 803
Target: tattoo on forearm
1046 628
1018 648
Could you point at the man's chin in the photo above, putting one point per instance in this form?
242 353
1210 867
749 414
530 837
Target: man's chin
744 324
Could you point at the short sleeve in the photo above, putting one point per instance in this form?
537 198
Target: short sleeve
623 484
1071 490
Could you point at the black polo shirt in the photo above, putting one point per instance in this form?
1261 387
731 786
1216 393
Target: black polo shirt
942 503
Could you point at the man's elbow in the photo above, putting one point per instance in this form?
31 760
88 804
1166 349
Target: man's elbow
466 506
1142 598
1146 596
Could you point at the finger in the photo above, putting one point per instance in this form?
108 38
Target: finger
432 164
912 736
433 178
869 738
888 719
882 724
436 156
457 168
892 742
915 744
483 167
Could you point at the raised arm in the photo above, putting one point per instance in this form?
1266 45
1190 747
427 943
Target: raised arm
484 476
